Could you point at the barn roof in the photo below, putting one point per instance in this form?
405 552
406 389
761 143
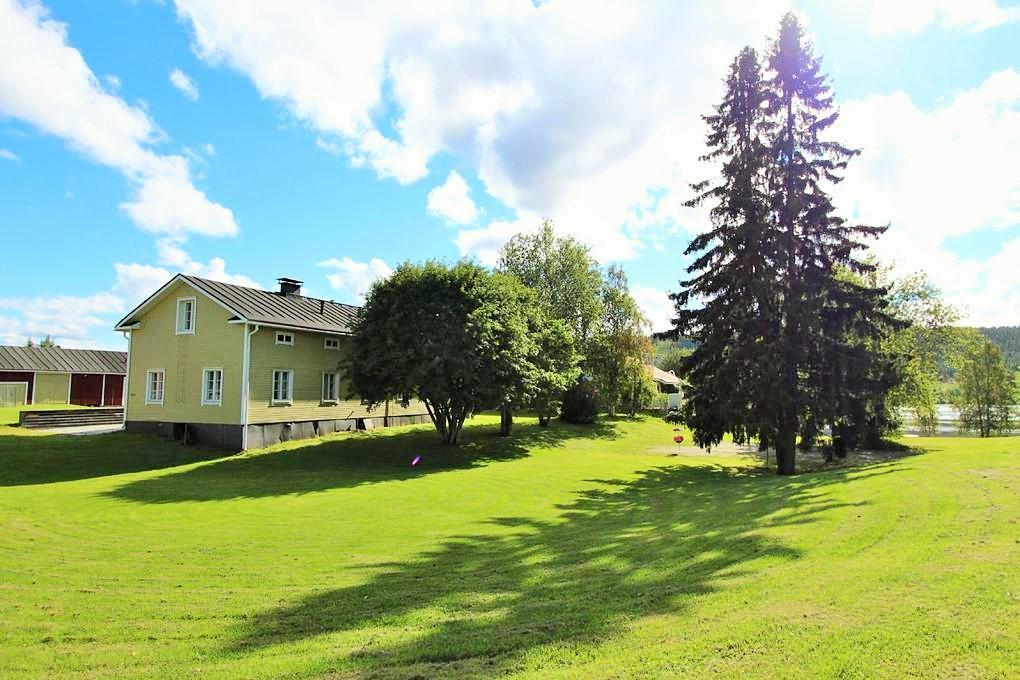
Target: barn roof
255 305
62 360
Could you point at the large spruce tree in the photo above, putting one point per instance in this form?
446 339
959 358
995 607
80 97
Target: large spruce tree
731 368
787 331
833 371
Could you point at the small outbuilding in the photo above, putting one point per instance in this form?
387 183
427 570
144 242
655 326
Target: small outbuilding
53 375
667 382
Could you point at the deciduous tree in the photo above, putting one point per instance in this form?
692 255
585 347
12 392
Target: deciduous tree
459 338
620 348
928 338
566 279
986 388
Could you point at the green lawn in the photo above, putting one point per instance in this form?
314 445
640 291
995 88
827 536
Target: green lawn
562 552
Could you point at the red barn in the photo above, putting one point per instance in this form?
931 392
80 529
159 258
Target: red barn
53 375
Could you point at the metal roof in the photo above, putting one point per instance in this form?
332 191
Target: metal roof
62 360
665 377
268 307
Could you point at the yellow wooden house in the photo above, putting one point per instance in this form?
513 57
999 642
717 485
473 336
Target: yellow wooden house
239 368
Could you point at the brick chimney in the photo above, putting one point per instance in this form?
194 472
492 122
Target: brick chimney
289 286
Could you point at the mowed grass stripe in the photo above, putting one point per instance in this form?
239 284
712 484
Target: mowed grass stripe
557 553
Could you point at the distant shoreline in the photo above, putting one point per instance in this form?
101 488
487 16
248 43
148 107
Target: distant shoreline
949 422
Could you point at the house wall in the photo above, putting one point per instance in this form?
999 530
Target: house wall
156 345
51 388
309 360
218 344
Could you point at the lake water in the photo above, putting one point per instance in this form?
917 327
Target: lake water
949 421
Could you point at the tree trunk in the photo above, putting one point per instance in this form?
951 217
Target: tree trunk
506 421
839 445
455 422
447 418
786 449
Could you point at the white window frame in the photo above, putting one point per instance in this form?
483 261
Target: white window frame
285 334
336 388
331 343
290 386
149 400
194 316
206 372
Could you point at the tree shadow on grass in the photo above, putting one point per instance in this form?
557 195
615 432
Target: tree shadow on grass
350 460
42 459
478 603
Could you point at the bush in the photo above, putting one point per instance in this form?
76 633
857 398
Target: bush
580 403
660 402
674 417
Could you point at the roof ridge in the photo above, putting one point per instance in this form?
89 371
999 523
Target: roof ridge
257 305
268 292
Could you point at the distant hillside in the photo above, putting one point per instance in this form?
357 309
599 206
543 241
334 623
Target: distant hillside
665 347
1007 339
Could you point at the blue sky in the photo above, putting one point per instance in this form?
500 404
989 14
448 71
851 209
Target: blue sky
244 143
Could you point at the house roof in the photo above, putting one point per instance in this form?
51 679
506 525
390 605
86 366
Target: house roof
62 360
264 307
664 377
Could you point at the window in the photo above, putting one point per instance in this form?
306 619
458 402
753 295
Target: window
185 315
331 343
154 387
329 387
284 338
283 386
212 386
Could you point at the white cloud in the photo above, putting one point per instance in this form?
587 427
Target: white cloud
485 243
355 277
9 156
655 304
889 17
71 320
216 269
452 202
169 203
183 82
45 82
524 95
170 252
86 321
936 174
329 146
135 282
